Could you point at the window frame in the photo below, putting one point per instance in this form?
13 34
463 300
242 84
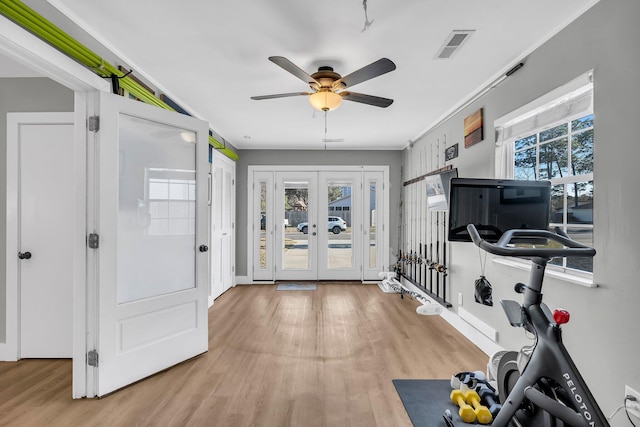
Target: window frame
506 152
565 181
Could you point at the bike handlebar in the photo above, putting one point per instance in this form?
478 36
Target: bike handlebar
570 247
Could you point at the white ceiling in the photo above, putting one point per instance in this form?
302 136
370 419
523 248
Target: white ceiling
211 57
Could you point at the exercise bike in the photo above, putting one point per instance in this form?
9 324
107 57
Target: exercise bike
540 385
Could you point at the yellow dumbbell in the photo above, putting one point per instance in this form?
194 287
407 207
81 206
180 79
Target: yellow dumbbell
466 412
481 412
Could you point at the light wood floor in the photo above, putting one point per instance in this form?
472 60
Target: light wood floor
276 358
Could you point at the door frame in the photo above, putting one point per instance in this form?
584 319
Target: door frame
27 49
253 199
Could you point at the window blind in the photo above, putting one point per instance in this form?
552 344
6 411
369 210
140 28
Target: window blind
571 106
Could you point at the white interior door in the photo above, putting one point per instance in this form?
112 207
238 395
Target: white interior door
44 251
222 225
151 262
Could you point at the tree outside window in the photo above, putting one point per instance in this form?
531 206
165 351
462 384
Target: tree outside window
563 155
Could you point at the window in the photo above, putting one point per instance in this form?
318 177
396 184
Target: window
564 156
554 141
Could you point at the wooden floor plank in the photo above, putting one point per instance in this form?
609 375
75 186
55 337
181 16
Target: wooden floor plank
276 358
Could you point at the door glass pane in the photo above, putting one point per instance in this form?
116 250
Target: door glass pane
296 227
156 209
373 221
263 225
339 243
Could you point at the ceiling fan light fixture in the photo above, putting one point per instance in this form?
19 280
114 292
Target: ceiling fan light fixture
325 100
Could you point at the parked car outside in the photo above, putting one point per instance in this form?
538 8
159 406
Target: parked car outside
335 224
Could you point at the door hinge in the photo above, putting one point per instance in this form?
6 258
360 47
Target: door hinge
92 358
94 123
93 241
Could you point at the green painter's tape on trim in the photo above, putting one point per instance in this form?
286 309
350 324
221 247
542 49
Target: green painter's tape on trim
29 19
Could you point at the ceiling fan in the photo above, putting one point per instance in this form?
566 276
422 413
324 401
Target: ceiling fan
328 87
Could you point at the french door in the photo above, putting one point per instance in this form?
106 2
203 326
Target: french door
339 225
296 234
317 225
147 255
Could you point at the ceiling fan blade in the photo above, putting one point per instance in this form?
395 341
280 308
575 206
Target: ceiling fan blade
279 95
293 69
367 99
375 69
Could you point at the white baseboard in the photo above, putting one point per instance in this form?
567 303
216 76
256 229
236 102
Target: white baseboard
242 280
485 329
474 335
483 342
8 353
245 280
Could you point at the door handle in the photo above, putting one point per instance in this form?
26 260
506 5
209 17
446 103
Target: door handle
313 234
24 255
203 248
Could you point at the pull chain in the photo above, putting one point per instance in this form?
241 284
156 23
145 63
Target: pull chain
325 130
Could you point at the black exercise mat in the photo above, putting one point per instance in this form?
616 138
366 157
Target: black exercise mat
426 401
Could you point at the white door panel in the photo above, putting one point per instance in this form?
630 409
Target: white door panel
152 267
222 225
45 205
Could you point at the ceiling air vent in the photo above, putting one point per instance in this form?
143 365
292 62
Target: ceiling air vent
453 42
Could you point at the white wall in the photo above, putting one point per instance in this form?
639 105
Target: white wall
22 95
602 335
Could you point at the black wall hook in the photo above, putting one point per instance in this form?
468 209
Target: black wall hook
115 81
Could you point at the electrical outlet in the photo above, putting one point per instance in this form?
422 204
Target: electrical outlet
632 407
